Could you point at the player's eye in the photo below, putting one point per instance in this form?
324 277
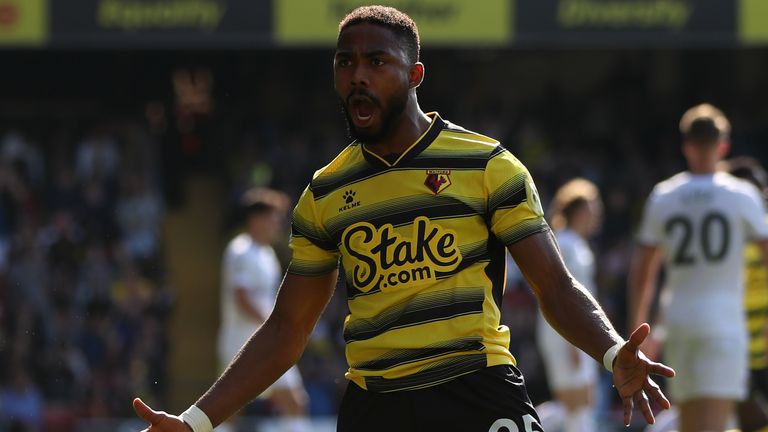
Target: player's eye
342 62
376 61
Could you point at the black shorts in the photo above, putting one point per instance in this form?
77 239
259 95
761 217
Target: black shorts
758 382
491 400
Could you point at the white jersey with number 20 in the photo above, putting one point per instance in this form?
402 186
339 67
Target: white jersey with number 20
702 222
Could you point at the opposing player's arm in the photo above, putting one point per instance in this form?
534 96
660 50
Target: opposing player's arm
244 303
564 302
239 270
643 274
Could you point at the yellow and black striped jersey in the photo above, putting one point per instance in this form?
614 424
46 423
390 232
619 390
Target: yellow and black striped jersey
422 245
756 305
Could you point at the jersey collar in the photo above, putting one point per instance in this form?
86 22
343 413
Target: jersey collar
411 152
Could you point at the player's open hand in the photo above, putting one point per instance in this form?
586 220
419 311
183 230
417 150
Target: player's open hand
632 377
159 421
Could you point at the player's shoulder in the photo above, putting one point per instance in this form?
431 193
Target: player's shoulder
465 137
348 157
741 194
465 143
672 184
458 141
349 163
734 184
567 238
239 245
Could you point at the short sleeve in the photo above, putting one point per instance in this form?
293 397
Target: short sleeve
568 252
240 272
651 231
756 226
514 207
314 253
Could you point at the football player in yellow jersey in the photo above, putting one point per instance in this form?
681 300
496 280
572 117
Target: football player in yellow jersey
752 412
419 212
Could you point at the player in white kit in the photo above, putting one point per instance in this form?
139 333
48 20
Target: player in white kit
251 275
696 224
575 215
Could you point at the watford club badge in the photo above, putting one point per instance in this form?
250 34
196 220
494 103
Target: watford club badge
438 180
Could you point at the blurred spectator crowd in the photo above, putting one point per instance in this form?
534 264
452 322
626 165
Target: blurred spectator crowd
83 304
84 298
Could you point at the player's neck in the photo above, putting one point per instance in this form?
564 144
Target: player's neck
408 128
581 228
702 161
701 173
702 169
258 238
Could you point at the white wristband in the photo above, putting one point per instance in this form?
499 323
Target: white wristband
196 419
610 356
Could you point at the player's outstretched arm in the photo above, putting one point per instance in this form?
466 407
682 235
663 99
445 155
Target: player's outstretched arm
632 372
276 346
577 316
564 302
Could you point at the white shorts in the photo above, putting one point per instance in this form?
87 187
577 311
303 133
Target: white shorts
706 366
563 373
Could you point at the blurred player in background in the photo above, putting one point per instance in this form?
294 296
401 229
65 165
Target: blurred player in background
420 212
752 413
697 223
575 215
251 275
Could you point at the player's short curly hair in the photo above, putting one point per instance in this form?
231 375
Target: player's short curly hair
397 21
705 124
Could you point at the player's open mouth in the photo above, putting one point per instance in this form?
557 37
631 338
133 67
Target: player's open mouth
362 110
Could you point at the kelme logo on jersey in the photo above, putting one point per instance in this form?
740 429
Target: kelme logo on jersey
349 201
438 180
382 256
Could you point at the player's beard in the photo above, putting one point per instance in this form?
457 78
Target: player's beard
388 118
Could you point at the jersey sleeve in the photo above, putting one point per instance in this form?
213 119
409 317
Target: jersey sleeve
240 272
650 232
314 253
756 226
568 252
514 208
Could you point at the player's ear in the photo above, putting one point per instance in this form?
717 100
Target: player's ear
416 74
685 148
723 148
